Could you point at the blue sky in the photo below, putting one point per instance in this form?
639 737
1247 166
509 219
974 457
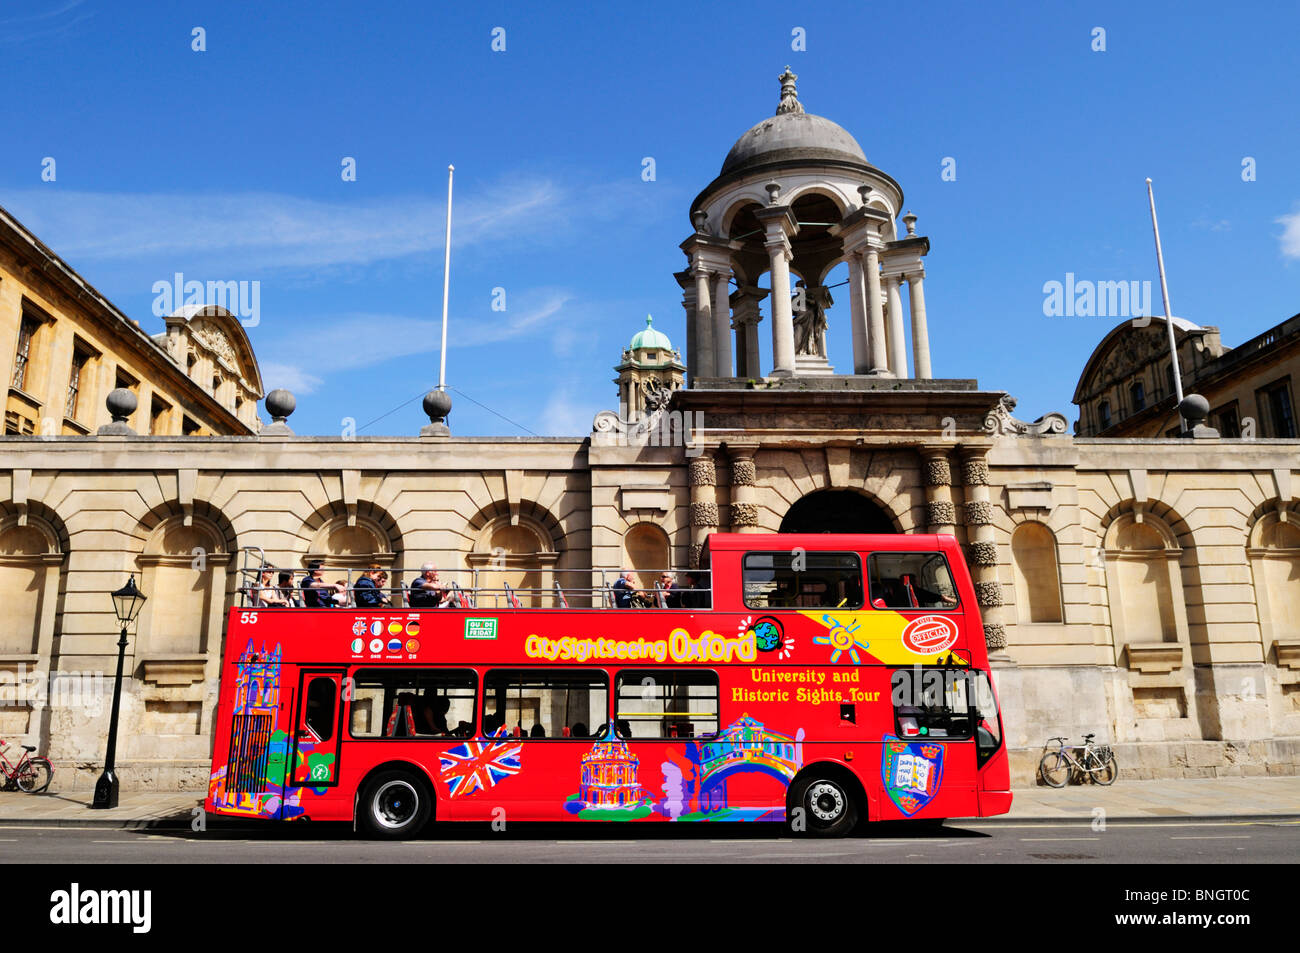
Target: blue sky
225 165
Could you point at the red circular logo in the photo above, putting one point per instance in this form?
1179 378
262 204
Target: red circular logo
930 635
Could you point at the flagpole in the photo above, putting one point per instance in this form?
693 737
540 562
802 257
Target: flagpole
1169 322
446 287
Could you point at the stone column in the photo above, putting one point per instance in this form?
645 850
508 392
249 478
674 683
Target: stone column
705 365
876 315
920 331
940 514
982 551
782 317
745 319
687 282
704 504
744 509
779 225
897 340
858 314
722 325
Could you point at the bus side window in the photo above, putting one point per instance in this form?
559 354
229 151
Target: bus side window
911 581
803 580
666 704
546 704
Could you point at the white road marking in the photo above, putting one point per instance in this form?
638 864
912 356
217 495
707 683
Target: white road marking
1058 838
1213 837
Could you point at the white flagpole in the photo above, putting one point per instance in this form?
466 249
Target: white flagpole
446 287
1169 322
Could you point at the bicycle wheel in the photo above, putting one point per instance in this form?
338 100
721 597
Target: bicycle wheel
35 775
1055 769
1106 772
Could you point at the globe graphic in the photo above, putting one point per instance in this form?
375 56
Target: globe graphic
767 635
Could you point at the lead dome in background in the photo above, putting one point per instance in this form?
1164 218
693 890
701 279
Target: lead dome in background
793 135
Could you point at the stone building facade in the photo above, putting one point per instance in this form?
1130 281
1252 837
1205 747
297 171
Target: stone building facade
1127 385
1140 588
67 347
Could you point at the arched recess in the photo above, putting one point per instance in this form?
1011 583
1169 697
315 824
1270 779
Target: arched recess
516 548
1273 550
837 511
1037 573
646 552
1144 582
184 575
346 538
32 551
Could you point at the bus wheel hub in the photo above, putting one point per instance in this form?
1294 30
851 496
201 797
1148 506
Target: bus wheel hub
826 801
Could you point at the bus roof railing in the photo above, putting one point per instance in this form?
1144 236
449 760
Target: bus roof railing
480 587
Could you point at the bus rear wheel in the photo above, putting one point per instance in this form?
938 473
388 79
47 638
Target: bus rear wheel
823 806
394 805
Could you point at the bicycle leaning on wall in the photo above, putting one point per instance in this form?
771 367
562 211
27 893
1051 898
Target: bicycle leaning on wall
27 774
1097 762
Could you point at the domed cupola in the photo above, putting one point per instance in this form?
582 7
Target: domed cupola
795 198
793 136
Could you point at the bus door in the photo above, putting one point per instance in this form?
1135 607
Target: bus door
317 729
929 762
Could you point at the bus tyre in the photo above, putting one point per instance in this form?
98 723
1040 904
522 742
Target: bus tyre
822 806
394 805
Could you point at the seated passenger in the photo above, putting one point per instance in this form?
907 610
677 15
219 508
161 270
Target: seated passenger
537 732
287 591
624 590
316 592
579 730
426 591
432 719
696 594
368 593
267 594
670 593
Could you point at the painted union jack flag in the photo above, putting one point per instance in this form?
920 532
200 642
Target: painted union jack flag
476 766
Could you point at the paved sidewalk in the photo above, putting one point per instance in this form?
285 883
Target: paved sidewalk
1239 798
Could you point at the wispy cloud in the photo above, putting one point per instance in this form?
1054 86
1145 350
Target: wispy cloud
255 232
30 27
1290 237
260 230
351 341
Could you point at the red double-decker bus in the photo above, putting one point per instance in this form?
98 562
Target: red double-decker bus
817 680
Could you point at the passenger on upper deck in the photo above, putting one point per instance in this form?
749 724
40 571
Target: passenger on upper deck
624 590
426 591
670 592
316 592
267 594
696 595
287 591
368 591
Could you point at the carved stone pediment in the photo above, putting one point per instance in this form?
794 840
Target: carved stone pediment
1000 423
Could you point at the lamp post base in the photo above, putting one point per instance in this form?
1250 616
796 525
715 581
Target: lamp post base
106 790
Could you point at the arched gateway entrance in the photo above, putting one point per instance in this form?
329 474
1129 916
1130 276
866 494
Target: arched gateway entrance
836 511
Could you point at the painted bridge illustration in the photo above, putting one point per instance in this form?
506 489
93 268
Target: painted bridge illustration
746 746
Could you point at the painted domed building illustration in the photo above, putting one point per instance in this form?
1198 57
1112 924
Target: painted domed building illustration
609 776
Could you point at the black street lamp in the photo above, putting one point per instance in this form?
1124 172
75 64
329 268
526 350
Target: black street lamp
126 603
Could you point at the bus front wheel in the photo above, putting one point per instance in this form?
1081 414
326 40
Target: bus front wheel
394 805
823 806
